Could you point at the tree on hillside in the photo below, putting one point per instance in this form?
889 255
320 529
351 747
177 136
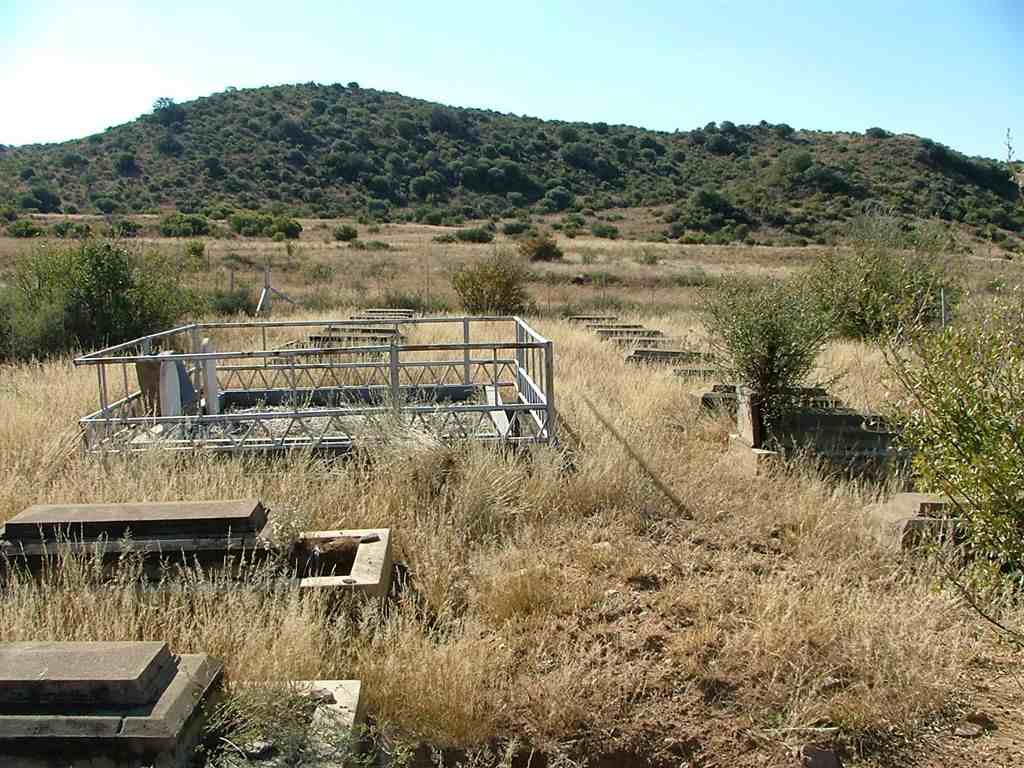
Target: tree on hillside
167 112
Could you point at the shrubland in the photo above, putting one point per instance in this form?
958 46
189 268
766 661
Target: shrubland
334 150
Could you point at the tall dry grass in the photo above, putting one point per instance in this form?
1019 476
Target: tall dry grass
577 612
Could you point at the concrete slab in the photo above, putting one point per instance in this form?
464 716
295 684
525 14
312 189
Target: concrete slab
158 723
38 676
910 520
592 318
142 519
367 571
651 356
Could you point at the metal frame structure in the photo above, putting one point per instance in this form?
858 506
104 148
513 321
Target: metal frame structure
302 395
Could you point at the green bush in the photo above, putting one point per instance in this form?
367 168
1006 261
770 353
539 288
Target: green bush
184 225
445 237
600 229
541 248
767 335
891 277
124 228
493 286
89 295
345 233
515 227
961 417
237 302
77 230
23 228
251 224
474 235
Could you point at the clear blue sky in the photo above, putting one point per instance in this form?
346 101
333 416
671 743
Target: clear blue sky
949 70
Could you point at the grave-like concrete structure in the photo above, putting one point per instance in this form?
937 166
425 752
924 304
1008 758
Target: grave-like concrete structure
130 703
592 318
210 534
840 437
261 386
336 729
606 333
907 521
657 356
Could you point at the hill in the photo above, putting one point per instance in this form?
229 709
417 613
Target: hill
334 150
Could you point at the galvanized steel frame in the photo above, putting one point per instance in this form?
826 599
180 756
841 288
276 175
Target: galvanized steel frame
524 364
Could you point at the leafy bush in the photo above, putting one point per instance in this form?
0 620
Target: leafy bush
493 286
251 224
90 295
184 225
237 302
601 229
345 233
23 228
877 133
445 237
543 247
962 412
767 334
124 228
77 230
515 227
474 235
888 279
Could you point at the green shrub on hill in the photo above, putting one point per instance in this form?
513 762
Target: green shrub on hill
328 150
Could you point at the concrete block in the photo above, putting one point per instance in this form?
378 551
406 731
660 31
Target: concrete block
351 560
116 703
753 462
178 519
909 520
40 675
592 318
652 356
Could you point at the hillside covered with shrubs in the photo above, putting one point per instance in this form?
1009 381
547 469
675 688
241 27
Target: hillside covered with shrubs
342 150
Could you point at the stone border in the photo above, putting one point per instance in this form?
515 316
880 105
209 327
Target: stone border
371 571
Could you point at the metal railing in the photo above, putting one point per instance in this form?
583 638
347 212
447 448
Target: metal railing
479 378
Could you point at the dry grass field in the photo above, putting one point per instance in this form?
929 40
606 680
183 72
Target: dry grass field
574 612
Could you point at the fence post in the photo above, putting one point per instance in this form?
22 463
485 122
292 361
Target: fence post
549 389
465 352
396 388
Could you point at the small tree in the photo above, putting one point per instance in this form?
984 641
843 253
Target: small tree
494 286
964 396
543 247
766 335
890 277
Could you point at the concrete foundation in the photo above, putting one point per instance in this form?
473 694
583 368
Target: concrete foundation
130 704
207 534
908 521
354 560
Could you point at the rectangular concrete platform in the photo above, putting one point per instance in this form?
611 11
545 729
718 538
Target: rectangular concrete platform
121 701
143 527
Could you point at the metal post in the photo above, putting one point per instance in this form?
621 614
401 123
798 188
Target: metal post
549 390
196 347
465 352
396 388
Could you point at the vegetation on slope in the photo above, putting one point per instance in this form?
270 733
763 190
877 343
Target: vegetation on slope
344 150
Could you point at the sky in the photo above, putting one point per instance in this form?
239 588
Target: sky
948 70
